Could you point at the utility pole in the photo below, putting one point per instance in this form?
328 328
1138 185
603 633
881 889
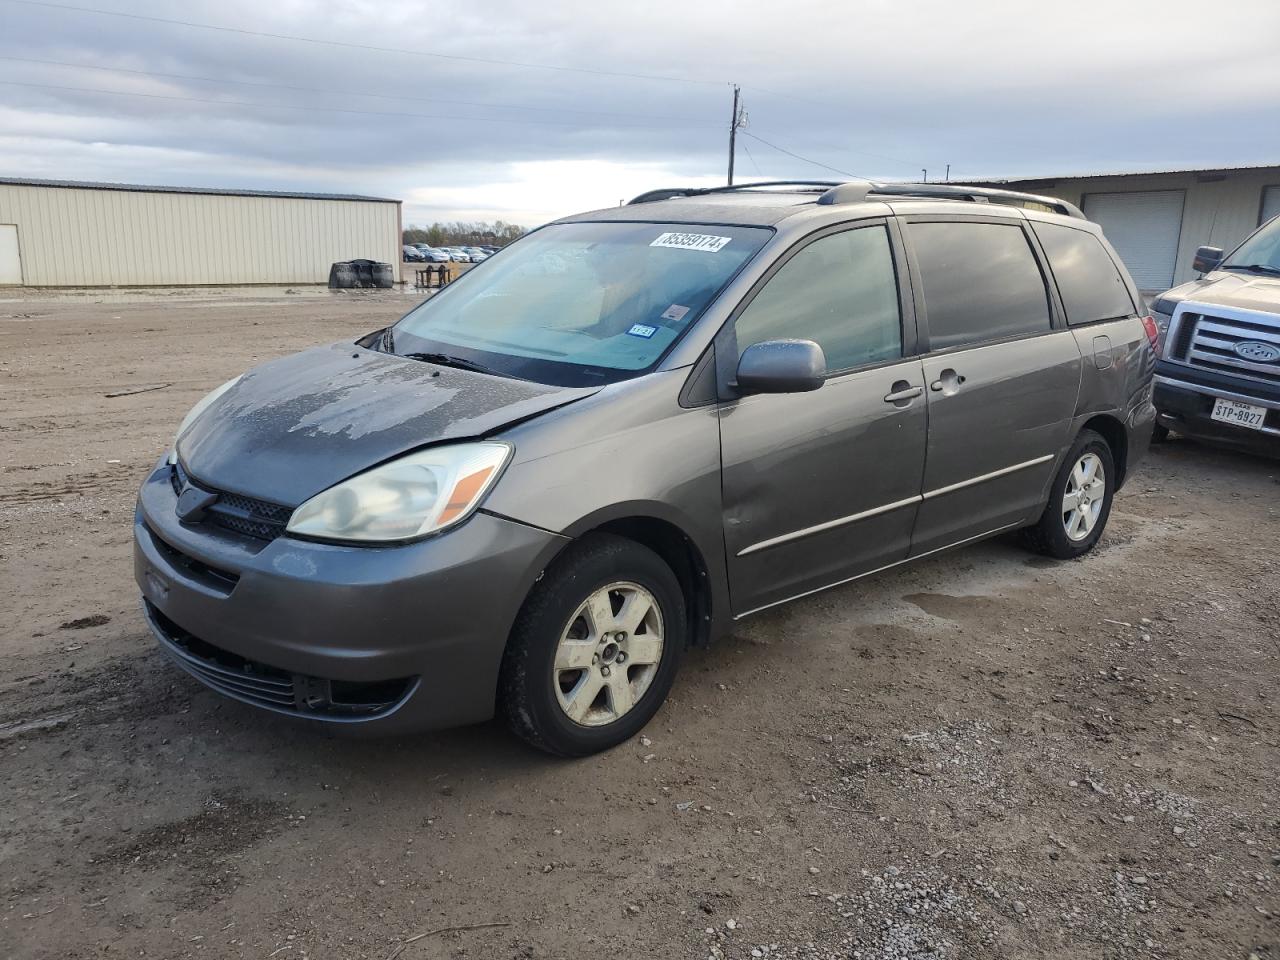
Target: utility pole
734 123
924 172
948 173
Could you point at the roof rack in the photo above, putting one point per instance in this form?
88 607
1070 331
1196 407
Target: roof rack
856 191
667 193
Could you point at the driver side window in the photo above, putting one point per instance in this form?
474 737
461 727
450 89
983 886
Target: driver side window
841 292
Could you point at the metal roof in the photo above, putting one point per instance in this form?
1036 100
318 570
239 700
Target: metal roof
214 191
1113 173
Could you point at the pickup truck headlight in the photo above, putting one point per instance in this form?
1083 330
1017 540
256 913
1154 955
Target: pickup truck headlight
418 494
198 409
1162 313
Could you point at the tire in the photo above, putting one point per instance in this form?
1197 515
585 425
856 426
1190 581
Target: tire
1060 534
1159 434
563 678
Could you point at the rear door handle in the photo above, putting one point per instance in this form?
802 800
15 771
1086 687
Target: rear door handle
903 392
948 382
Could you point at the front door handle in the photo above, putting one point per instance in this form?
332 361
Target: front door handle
948 382
901 392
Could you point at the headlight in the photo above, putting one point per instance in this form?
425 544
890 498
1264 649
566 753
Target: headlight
198 409
419 494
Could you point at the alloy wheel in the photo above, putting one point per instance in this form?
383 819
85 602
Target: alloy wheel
608 654
1083 498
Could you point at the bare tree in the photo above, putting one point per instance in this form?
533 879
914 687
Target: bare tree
458 233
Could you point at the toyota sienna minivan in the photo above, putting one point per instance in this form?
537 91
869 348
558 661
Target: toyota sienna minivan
630 429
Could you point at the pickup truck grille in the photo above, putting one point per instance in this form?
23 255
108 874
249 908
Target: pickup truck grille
1210 340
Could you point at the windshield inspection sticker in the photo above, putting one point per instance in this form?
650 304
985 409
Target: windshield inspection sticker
692 241
675 312
642 330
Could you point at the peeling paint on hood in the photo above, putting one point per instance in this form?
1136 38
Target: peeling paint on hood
295 426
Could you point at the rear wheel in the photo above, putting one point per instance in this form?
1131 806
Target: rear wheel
1079 501
595 648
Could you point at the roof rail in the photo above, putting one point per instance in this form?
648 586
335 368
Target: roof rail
668 193
856 192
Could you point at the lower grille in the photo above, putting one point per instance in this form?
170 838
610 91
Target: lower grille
259 519
264 686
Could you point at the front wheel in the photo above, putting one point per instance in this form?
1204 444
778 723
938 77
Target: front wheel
1079 501
595 648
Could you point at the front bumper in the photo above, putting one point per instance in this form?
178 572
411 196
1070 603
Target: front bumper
384 639
1184 406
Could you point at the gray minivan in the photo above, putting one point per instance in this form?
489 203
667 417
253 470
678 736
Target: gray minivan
628 430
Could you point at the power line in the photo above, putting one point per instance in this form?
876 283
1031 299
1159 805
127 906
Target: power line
293 106
490 61
845 173
829 105
332 90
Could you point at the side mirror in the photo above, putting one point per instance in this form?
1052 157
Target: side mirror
1207 259
782 366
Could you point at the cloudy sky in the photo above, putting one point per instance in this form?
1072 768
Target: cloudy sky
484 109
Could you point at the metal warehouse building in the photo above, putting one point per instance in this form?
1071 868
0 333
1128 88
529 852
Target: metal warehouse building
68 234
1156 219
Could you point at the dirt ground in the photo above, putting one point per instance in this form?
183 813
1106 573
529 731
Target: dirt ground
985 755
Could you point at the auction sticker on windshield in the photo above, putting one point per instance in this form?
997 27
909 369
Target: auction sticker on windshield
691 241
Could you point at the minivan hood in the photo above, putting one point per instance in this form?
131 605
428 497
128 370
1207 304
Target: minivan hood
1227 288
296 426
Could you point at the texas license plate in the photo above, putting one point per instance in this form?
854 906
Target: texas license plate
1241 414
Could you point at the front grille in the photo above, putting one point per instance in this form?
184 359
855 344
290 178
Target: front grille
260 519
264 686
1209 341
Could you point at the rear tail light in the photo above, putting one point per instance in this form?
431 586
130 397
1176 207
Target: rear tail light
1153 333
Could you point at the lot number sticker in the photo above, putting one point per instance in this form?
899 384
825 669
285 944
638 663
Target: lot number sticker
642 330
692 241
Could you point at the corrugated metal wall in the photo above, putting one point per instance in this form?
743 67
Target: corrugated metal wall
72 236
1217 213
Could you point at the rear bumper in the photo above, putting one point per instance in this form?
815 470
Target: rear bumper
1184 406
384 639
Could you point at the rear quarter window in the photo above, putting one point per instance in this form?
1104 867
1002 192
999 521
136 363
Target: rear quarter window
981 282
1088 281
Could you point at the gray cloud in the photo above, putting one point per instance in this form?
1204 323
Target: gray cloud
874 88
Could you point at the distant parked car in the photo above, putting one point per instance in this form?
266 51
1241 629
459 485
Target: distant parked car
477 254
491 250
412 254
431 254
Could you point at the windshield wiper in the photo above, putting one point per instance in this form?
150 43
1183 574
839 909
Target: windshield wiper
445 360
1254 268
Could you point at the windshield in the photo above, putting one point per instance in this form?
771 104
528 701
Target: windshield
581 303
1260 250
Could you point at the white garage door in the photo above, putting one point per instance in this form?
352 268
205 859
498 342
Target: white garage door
1144 228
1270 203
10 262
